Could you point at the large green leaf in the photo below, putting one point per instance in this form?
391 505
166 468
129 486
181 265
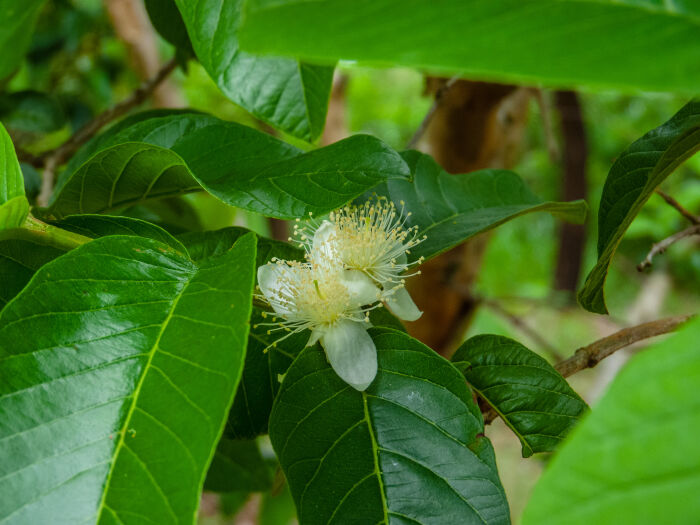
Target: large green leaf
264 363
23 251
111 410
631 181
13 204
628 44
449 209
166 19
288 94
407 450
533 399
238 466
241 166
635 459
18 20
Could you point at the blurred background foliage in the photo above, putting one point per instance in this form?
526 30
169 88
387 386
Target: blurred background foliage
77 67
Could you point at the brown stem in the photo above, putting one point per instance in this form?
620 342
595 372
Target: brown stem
589 356
662 246
677 205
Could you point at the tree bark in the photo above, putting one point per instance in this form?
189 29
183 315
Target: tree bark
572 237
476 125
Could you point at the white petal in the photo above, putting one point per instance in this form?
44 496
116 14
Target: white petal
270 282
362 288
402 306
351 353
323 233
316 334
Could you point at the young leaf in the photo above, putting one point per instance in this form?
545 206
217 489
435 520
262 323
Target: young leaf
635 459
238 466
13 204
287 94
407 450
533 399
239 165
449 209
585 42
631 181
112 409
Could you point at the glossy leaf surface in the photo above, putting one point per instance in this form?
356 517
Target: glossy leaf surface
407 450
287 94
533 399
111 411
239 165
632 180
634 460
238 465
448 209
560 43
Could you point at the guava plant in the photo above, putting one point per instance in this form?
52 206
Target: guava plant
139 364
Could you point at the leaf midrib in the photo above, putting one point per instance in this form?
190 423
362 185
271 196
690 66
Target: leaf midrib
122 433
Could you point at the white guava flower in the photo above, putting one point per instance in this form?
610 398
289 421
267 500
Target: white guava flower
331 301
371 238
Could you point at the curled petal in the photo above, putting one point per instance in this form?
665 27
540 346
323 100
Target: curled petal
271 279
401 305
362 288
316 334
351 352
323 241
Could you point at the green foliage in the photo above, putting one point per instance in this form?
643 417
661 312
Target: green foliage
367 456
18 22
238 466
139 357
631 181
590 42
635 458
288 94
527 392
174 154
448 209
13 204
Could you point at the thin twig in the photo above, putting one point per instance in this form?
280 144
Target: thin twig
29 158
522 326
137 97
662 246
439 95
677 205
52 159
589 356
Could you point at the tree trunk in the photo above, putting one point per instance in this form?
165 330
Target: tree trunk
476 125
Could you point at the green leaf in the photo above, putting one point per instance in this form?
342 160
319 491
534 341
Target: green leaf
264 363
102 225
14 206
13 212
18 20
31 112
19 259
238 466
634 460
166 19
11 178
633 178
629 44
533 399
239 165
23 251
120 176
408 450
448 209
111 411
287 94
